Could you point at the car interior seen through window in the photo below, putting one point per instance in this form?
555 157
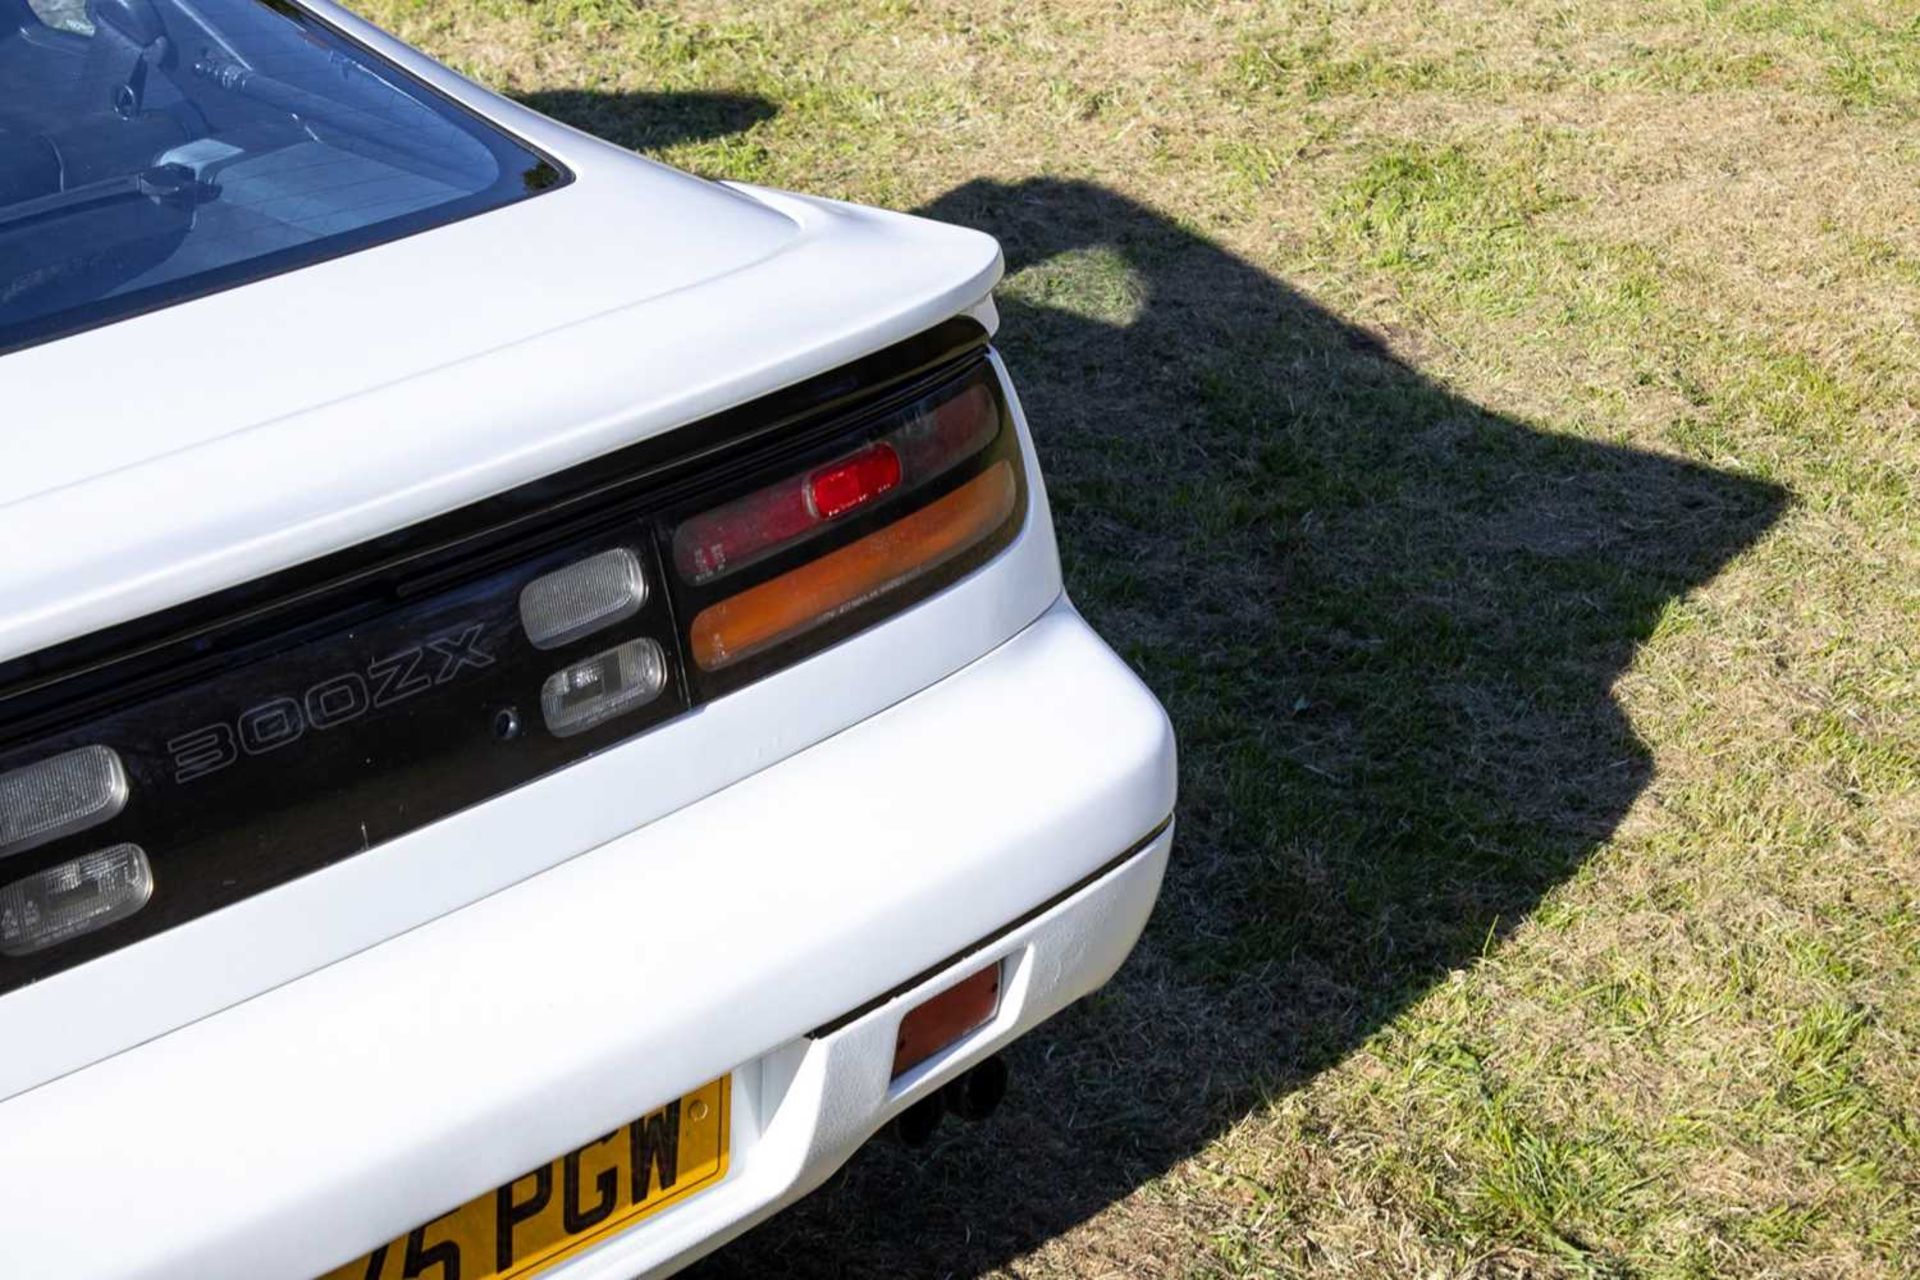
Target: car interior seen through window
155 150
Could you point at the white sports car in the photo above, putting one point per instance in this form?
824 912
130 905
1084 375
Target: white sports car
537 711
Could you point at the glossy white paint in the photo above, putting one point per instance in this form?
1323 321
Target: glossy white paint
818 1100
303 1075
322 1117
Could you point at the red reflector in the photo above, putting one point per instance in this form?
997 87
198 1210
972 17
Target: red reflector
844 485
930 1027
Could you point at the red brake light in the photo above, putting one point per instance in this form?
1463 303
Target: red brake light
841 486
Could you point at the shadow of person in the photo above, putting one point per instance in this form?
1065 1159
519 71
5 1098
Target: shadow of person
652 121
1386 623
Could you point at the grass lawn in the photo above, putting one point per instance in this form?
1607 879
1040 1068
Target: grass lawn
1491 429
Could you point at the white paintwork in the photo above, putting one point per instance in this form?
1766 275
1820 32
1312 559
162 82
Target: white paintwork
338 1110
822 1099
297 1078
119 1000
241 433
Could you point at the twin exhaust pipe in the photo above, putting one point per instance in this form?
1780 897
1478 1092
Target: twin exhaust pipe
973 1096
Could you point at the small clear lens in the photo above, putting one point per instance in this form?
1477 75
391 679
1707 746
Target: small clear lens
58 796
595 690
563 606
73 898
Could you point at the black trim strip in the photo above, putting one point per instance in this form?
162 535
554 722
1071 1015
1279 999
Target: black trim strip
1101 872
125 661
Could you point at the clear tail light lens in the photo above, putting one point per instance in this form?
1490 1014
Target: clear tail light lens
595 690
65 901
587 596
58 796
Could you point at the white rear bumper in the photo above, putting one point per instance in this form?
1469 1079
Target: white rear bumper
815 1101
334 1112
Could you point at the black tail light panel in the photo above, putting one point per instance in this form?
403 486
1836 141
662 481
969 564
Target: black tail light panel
290 724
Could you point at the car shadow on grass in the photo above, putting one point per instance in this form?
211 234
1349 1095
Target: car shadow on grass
652 121
1386 622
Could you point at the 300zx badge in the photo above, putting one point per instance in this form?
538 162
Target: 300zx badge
283 720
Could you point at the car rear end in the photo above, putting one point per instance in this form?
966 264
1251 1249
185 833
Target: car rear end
552 847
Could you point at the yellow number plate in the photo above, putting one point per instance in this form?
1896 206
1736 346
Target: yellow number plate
546 1216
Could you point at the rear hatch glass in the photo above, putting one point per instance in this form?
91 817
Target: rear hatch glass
156 150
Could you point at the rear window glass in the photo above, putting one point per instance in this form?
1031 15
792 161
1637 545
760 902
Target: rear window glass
155 150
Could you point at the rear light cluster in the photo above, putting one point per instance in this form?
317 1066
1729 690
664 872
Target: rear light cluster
936 436
760 617
156 795
740 533
803 551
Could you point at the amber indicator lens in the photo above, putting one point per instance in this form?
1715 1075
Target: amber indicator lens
73 898
930 1027
763 616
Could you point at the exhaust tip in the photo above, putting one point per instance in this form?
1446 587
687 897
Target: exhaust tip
973 1096
915 1126
977 1094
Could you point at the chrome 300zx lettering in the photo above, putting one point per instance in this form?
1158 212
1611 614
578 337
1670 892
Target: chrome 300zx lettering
281 721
